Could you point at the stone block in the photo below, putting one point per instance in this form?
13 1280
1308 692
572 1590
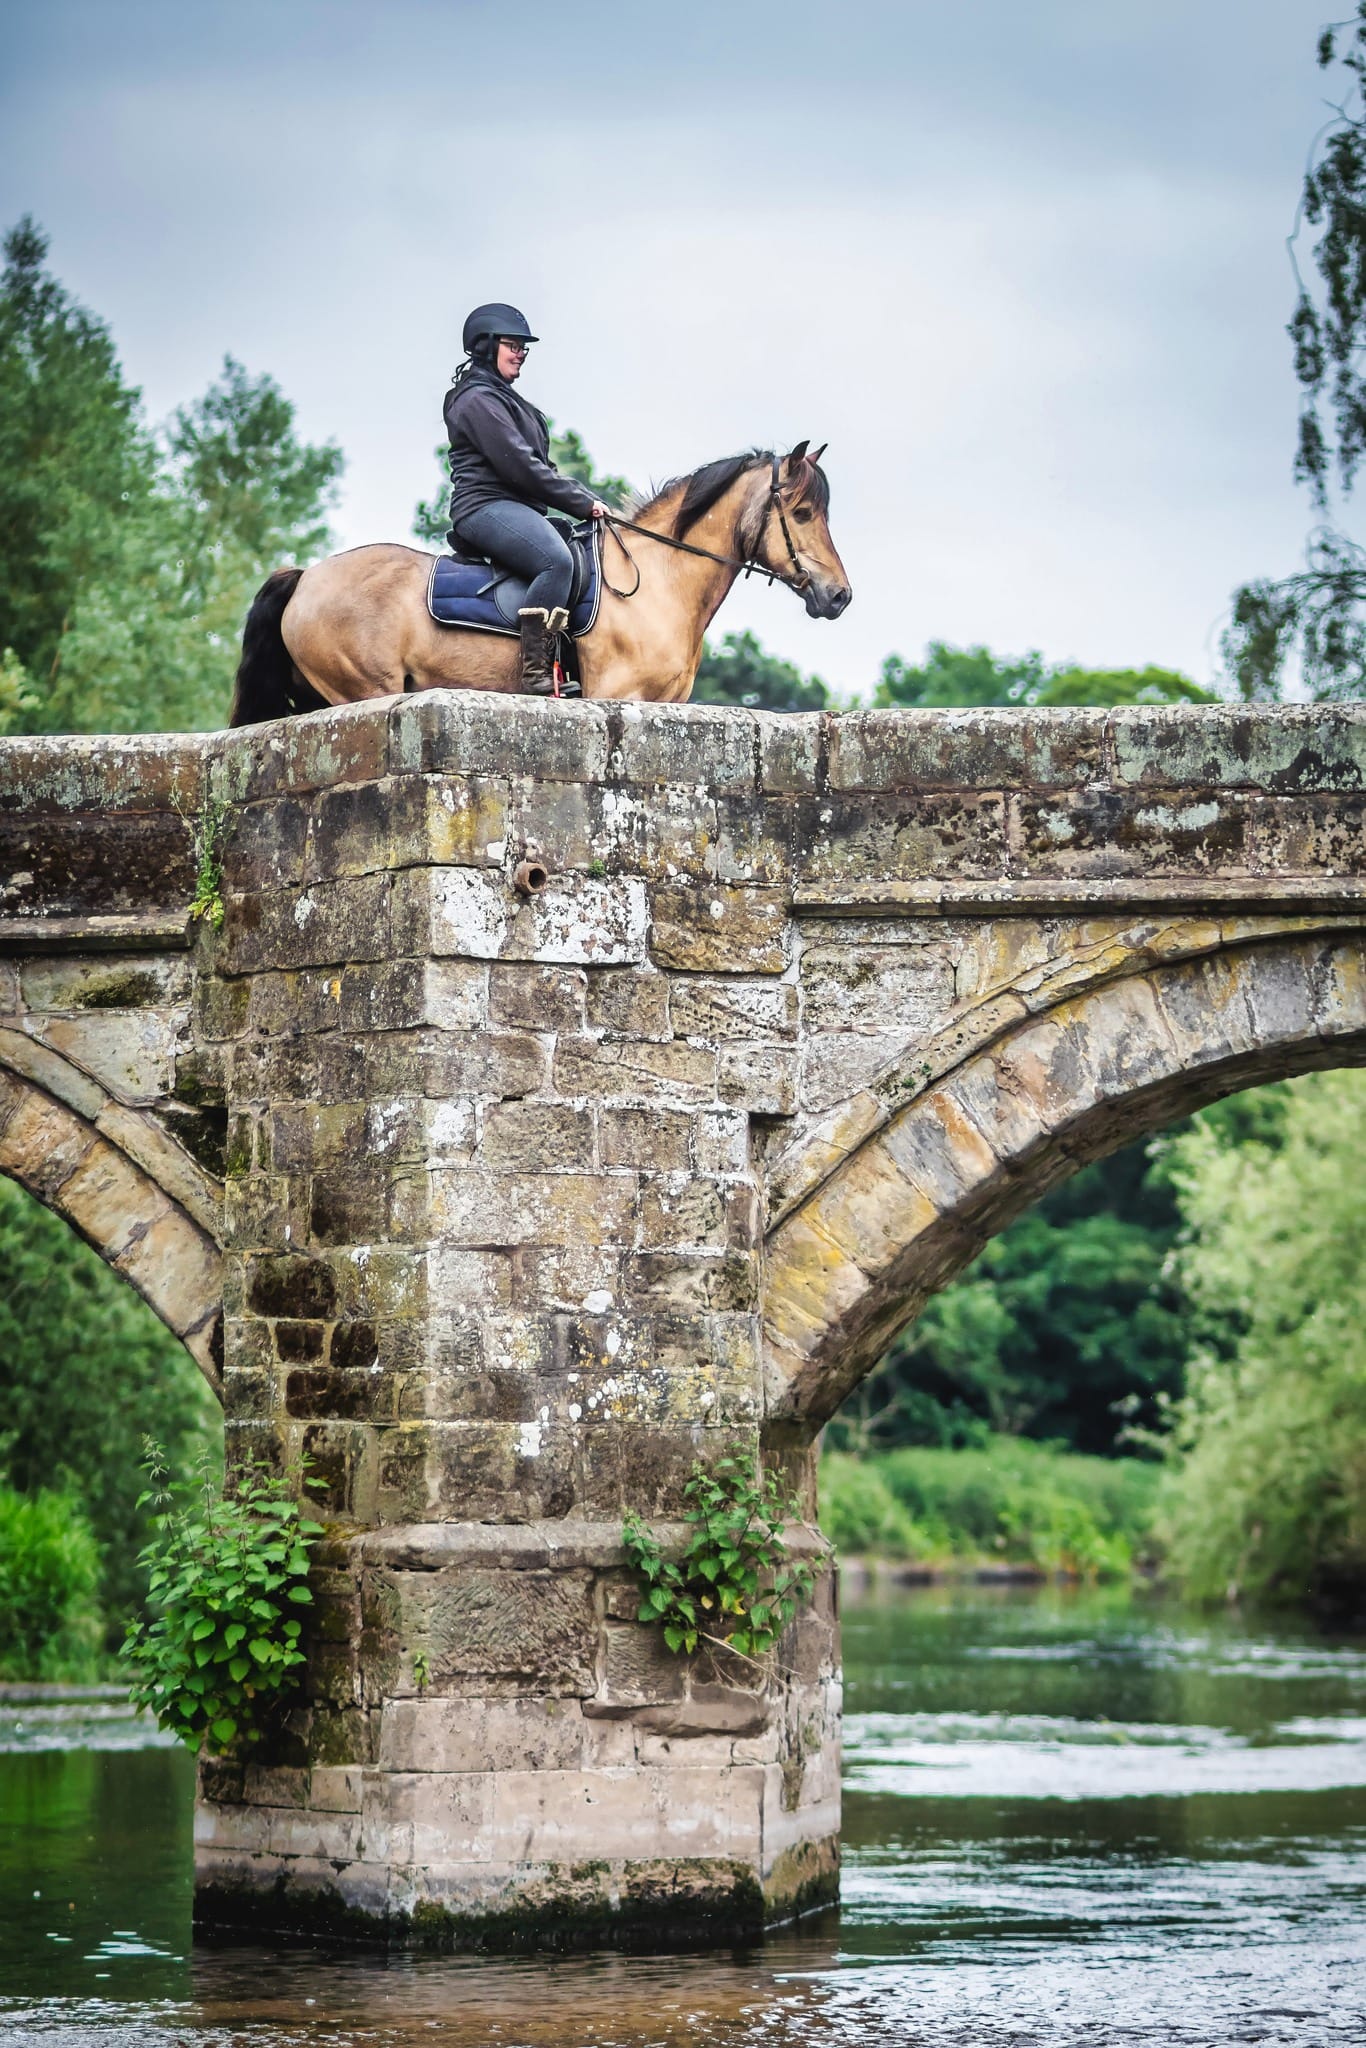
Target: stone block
130 982
536 998
634 1071
877 988
349 745
629 1002
108 1199
262 845
790 751
1291 748
1322 836
537 1626
469 732
758 1077
940 1150
752 1010
175 1268
292 1285
638 1668
285 1004
490 1210
22 1054
710 749
653 1139
575 920
335 1788
553 820
838 1066
427 1817
473 1279
906 838
42 1143
721 1141
682 1209
477 1735
99 865
530 1137
687 1283
1123 832
724 929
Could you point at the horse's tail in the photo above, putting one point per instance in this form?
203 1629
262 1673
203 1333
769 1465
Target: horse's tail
268 684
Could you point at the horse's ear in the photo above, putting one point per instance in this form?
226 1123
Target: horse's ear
794 460
816 455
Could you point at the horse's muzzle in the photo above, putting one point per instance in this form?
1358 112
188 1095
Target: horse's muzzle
828 603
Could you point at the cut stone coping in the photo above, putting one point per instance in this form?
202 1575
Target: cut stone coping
525 1546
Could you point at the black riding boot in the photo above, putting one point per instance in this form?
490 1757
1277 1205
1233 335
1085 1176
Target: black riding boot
538 651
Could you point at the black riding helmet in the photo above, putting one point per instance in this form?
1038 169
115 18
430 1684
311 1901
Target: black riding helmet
495 322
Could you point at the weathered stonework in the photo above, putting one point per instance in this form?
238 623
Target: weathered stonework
513 1206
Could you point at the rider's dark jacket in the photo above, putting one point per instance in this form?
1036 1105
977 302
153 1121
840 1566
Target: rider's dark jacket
500 448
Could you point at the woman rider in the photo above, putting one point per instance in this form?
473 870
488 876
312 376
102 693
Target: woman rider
503 480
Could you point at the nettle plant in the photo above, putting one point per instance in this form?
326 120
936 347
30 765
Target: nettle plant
735 1586
227 1577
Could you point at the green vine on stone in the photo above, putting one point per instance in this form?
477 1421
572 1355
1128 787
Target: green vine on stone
207 903
227 1576
735 1585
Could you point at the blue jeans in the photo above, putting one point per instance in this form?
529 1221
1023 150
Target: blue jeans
518 538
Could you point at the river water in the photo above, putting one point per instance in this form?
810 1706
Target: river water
1070 1817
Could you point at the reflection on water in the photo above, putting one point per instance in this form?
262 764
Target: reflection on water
1069 1818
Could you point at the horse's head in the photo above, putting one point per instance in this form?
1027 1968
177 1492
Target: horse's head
796 530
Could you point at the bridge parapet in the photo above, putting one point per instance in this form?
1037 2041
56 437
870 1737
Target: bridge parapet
531 1199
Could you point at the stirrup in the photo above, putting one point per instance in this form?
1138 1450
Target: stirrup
557 625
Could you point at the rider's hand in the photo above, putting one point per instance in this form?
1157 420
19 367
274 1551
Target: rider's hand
597 510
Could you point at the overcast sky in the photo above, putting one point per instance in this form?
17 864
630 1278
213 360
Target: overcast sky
1021 262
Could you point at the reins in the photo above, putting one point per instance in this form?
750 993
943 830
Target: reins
747 564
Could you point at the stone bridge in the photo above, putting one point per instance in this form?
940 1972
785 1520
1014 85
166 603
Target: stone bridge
572 1092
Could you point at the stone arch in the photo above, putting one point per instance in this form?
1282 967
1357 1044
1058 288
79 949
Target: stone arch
909 1204
89 1176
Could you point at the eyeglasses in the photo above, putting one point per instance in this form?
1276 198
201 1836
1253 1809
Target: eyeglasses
519 348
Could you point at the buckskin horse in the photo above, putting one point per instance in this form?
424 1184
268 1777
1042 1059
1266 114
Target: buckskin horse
356 625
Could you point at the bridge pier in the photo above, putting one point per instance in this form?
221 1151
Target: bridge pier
527 1202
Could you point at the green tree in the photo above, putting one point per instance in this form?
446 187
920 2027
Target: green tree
740 671
1073 1325
954 676
1321 612
86 1370
129 558
1266 1494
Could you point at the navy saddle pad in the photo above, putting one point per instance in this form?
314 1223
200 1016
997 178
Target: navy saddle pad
468 590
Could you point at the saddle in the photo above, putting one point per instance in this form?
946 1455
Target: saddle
470 590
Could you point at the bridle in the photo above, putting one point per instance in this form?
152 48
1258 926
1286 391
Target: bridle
799 580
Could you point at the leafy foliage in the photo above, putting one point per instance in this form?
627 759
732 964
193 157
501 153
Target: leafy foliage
1068 1314
953 676
740 671
1319 610
1267 1487
1005 1501
227 1576
129 558
734 1587
49 1583
207 903
85 1369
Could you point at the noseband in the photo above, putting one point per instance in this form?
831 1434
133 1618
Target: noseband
746 564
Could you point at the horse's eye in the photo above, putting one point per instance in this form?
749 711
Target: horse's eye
803 515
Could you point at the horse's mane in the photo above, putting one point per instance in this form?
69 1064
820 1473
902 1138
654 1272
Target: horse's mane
703 487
